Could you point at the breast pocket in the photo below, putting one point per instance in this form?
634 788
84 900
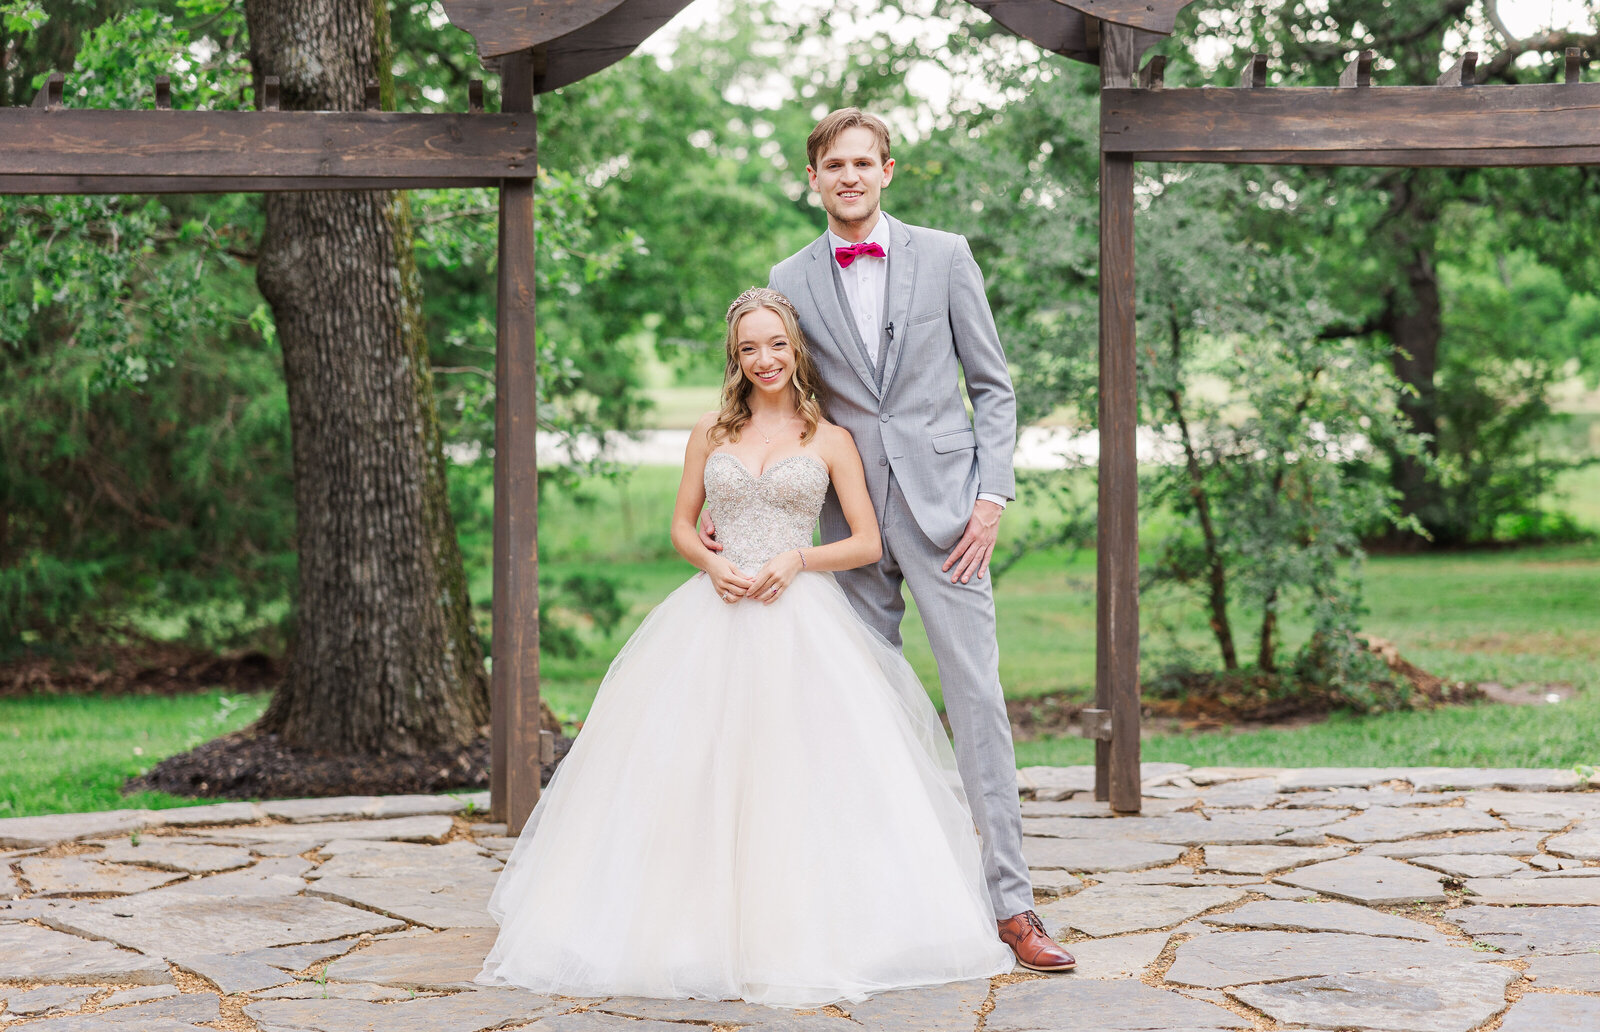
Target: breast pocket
928 317
955 440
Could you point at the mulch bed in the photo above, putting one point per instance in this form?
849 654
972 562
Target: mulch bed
143 668
246 765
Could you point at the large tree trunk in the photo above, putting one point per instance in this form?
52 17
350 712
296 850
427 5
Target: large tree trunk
384 657
1414 321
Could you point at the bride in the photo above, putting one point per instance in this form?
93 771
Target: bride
762 803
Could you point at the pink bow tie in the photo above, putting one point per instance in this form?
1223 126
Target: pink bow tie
846 255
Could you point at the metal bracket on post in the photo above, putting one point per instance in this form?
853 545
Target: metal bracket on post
547 747
1095 724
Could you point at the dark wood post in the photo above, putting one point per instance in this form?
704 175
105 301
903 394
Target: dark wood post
1117 583
514 682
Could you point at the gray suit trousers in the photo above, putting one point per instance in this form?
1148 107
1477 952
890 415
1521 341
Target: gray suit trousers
960 621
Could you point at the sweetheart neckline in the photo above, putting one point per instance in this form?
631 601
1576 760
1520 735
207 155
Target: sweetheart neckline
774 464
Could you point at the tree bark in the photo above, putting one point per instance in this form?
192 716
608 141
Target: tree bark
384 658
1414 321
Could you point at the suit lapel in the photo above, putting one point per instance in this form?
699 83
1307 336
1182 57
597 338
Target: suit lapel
825 295
897 302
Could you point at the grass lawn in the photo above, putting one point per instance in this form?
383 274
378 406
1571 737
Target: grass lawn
1516 616
71 754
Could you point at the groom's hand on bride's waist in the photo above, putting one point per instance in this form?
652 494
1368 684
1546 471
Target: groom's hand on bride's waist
708 532
972 552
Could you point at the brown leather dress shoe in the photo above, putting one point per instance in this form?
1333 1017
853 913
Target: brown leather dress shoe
1035 950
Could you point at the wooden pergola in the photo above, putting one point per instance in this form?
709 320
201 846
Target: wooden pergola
541 45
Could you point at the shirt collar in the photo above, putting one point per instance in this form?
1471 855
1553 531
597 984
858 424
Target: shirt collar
880 235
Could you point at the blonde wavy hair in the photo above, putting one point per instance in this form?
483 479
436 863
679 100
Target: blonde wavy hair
736 387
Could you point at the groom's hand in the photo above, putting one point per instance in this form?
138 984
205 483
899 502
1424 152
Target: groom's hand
972 552
708 532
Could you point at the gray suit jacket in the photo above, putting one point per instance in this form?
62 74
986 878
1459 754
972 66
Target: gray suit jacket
914 422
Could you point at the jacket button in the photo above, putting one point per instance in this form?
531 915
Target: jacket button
883 460
885 417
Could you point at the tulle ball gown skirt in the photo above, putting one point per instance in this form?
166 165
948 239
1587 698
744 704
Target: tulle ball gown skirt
761 805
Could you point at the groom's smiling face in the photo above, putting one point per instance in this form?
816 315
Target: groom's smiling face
849 176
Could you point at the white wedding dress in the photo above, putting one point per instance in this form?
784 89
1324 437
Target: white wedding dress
762 803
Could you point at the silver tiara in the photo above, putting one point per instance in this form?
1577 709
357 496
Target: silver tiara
763 294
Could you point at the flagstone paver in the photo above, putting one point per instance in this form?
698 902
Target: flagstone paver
947 1008
1520 779
1506 843
25 832
1546 889
439 960
1582 842
1373 880
1551 1012
234 973
298 958
53 876
464 1012
1122 1005
1537 931
168 1015
1393 823
171 925
1404 1000
1121 956
430 828
256 911
140 994
52 999
1266 859
1473 865
1091 855
1328 916
1579 972
1241 958
32 954
172 855
1113 909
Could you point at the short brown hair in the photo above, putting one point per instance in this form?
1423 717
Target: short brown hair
836 122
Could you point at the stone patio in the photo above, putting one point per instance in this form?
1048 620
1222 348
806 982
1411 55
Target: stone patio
1390 899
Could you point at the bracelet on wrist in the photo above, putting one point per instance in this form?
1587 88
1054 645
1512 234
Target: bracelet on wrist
801 553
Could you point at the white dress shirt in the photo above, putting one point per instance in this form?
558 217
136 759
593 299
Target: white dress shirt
866 285
866 282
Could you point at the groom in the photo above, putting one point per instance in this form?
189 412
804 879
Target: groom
897 315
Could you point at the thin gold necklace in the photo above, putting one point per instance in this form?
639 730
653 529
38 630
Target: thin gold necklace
764 437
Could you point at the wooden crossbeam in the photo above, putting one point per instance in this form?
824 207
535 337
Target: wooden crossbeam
311 149
1533 124
180 184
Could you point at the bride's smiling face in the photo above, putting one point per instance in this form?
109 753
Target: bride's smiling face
765 353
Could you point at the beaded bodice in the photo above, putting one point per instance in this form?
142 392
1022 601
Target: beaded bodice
759 516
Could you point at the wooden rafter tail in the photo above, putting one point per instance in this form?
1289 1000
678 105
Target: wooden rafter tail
49 95
580 36
1153 76
163 93
270 94
1158 16
1574 64
475 97
1462 73
1358 73
374 98
1254 76
1050 26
